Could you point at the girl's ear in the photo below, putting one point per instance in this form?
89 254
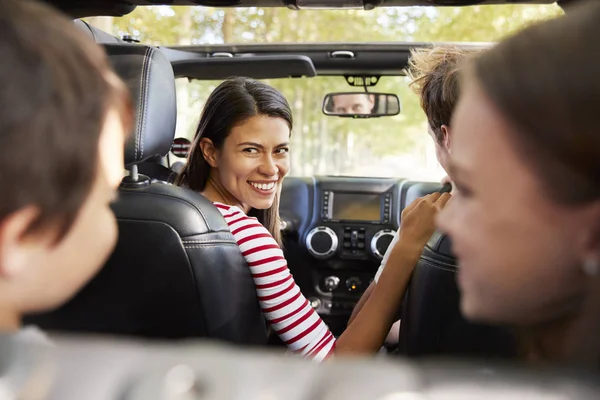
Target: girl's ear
209 152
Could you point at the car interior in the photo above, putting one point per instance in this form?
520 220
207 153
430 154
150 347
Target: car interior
177 272
165 279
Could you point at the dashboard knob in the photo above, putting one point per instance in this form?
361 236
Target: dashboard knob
322 242
381 241
353 284
331 283
315 302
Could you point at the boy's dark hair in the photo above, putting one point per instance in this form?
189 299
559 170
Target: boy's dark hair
56 91
435 78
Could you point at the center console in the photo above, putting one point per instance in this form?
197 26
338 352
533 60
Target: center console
337 230
352 225
351 229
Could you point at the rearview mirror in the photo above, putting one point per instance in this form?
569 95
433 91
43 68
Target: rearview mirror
361 104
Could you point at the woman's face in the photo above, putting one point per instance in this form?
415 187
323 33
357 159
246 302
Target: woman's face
519 251
253 161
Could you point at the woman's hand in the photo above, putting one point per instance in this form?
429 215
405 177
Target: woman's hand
418 219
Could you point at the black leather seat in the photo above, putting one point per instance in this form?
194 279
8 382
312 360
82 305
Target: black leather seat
152 167
177 271
432 324
97 35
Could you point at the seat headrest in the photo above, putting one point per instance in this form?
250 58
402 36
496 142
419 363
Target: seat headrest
419 189
97 35
149 76
441 244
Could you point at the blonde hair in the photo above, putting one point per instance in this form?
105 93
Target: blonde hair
435 75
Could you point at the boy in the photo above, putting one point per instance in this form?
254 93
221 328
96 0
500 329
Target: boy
63 119
435 74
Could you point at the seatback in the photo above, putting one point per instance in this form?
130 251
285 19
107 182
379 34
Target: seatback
432 323
152 167
97 35
177 271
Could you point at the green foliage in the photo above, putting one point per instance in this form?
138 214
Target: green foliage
328 145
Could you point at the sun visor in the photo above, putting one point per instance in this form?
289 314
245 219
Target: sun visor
256 67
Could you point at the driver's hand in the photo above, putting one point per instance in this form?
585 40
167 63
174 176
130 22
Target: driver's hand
418 219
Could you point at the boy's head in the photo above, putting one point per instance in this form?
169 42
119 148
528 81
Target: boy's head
63 118
435 74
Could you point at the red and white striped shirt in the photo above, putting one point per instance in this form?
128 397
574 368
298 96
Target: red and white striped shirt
283 305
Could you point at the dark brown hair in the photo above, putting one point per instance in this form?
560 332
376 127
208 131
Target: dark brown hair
545 81
53 104
435 76
234 101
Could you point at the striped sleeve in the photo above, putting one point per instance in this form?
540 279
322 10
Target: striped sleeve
285 308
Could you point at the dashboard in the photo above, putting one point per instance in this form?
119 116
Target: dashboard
336 231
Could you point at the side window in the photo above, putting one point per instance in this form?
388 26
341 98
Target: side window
191 96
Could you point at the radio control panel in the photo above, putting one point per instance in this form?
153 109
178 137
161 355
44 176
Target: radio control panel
352 224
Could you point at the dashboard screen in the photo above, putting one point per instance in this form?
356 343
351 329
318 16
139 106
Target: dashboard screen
356 207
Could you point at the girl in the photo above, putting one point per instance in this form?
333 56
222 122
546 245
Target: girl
525 222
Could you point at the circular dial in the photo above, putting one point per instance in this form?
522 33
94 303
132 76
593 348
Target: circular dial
353 283
331 283
322 242
315 302
381 241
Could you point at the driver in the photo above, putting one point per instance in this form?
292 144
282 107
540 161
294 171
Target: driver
435 77
353 103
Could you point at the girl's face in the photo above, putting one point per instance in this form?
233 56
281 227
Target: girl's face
520 252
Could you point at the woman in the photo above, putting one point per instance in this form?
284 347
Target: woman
525 222
239 159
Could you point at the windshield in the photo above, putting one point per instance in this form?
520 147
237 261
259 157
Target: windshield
396 146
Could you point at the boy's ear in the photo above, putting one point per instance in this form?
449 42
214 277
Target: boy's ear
209 152
18 249
447 140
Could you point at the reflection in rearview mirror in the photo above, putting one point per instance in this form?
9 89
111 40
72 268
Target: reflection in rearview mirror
361 104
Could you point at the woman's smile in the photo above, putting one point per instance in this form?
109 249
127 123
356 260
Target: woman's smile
263 187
